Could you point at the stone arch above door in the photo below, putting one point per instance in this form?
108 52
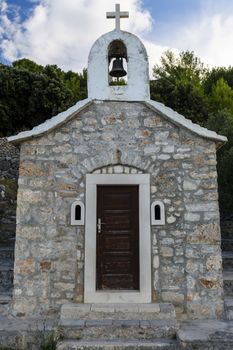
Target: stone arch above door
118 169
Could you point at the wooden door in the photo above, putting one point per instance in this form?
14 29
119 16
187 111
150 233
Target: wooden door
117 238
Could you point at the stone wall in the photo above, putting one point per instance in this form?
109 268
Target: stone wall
186 251
9 163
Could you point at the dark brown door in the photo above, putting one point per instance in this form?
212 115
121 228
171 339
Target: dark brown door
117 238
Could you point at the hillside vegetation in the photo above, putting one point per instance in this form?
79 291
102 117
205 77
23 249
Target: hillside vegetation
31 93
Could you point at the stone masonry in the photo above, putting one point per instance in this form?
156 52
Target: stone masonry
118 137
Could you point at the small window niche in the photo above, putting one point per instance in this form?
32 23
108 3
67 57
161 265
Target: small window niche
77 213
157 213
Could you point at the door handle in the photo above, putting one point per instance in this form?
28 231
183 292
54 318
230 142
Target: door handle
99 225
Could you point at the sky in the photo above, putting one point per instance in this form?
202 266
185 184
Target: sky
62 31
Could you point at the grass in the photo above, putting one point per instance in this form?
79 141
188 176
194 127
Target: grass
49 342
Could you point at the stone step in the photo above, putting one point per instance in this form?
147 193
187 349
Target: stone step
6 268
227 258
228 282
109 329
228 301
160 311
117 345
118 321
6 279
205 335
6 259
7 247
227 254
5 298
227 244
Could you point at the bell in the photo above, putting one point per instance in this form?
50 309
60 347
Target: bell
117 69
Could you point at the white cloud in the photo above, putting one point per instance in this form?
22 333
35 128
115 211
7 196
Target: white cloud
211 39
208 33
62 32
155 52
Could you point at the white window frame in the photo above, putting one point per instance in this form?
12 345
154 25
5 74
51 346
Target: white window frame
73 221
91 295
162 213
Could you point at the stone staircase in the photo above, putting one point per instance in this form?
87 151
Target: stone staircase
118 326
7 241
227 255
6 272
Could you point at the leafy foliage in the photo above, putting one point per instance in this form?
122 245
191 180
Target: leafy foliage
222 123
30 94
178 84
217 73
221 96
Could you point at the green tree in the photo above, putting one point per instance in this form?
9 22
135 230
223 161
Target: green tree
27 98
83 84
31 93
178 84
217 73
29 65
222 123
221 96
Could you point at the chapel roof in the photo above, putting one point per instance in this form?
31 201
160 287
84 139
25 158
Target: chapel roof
158 107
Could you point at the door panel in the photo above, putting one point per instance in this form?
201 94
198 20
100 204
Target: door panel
118 242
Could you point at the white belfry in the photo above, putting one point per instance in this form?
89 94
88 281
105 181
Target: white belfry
117 15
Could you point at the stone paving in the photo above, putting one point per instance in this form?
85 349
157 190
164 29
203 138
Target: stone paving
117 345
23 334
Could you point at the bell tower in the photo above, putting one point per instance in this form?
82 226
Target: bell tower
118 65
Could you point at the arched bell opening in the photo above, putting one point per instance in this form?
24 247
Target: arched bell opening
117 63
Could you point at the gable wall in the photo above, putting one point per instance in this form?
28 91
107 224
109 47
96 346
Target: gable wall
186 256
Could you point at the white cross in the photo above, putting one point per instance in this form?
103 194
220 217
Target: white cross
117 15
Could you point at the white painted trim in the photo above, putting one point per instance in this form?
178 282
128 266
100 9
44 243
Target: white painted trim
90 293
73 221
180 120
162 213
158 107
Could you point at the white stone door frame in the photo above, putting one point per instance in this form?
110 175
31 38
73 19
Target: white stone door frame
131 296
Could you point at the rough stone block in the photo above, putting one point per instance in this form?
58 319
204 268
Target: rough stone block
25 267
173 297
31 169
205 234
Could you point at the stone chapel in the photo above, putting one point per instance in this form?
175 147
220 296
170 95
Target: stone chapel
118 198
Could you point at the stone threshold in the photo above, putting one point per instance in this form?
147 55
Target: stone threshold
116 307
118 311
